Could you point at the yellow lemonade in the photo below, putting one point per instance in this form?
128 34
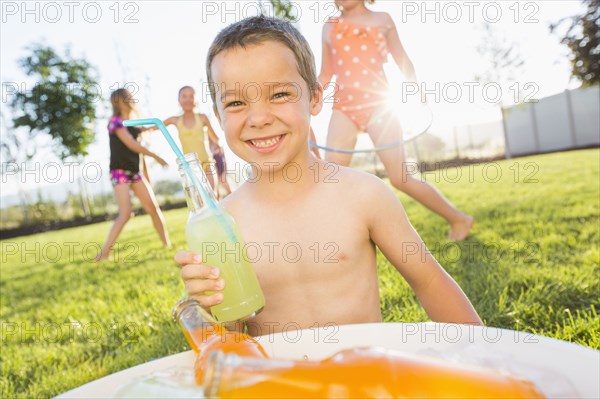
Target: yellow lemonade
206 235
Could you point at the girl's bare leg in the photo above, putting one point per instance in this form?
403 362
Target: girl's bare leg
146 197
209 171
385 129
217 186
342 133
122 195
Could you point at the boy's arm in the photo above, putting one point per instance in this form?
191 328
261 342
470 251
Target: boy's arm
391 231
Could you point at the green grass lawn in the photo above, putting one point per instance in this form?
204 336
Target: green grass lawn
531 264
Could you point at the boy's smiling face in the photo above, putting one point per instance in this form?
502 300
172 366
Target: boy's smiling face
263 104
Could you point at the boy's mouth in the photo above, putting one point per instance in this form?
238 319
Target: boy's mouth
266 144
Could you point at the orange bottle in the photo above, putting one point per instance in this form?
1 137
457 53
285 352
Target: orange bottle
205 335
357 373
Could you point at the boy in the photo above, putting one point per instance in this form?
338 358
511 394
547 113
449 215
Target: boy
316 224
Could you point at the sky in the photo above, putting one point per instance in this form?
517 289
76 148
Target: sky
155 47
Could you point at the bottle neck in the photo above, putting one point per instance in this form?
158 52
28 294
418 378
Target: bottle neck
196 187
196 323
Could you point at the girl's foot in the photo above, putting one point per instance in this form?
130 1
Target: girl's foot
101 256
459 230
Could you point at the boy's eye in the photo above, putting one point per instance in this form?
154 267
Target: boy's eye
282 94
233 104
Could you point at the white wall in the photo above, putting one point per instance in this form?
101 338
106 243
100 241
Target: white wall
561 122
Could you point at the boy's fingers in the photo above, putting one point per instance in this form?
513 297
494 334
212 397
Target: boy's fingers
206 301
186 257
190 272
200 286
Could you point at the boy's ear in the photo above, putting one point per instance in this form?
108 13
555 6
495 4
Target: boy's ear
316 102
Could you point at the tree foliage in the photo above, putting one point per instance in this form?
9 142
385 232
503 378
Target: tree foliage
503 61
167 187
282 9
583 39
61 103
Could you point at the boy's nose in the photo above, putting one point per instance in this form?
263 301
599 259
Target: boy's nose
260 115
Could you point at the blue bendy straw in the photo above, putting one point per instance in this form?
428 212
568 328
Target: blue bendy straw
186 166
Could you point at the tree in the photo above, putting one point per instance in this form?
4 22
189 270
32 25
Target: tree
504 62
282 9
61 102
583 39
428 148
167 187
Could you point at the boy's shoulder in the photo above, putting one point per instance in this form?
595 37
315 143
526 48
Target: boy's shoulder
233 201
340 184
358 183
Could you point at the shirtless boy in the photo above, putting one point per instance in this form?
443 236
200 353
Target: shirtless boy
317 224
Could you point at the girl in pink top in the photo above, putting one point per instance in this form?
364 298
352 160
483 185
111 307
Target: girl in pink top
355 47
125 152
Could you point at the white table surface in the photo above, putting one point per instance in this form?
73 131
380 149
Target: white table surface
564 369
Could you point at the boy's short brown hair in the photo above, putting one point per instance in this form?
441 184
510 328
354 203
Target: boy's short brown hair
257 30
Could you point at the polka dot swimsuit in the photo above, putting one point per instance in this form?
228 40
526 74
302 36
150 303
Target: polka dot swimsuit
358 54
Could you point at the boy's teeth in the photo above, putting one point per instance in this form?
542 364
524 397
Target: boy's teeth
265 143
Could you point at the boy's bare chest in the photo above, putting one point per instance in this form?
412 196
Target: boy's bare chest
301 244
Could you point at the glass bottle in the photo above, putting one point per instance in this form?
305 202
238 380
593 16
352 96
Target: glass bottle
212 232
205 335
357 373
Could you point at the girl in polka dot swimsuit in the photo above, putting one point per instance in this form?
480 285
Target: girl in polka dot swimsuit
355 47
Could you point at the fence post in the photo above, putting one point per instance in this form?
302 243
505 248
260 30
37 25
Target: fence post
470 133
507 152
84 200
24 202
456 142
536 135
571 118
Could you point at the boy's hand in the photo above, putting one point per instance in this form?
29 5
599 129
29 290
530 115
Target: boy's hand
199 278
